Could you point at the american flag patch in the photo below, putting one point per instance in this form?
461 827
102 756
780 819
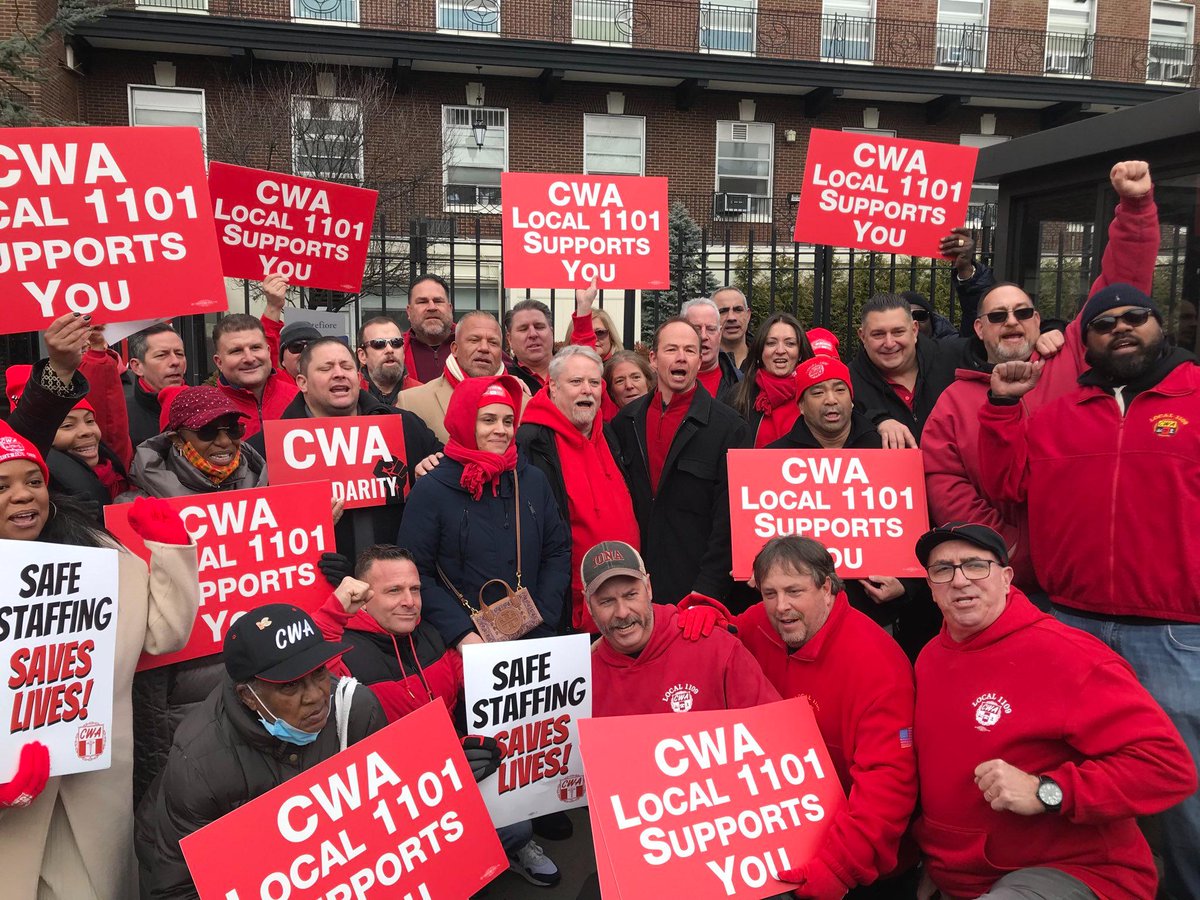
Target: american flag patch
906 737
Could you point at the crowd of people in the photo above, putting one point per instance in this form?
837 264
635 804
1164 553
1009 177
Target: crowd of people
998 726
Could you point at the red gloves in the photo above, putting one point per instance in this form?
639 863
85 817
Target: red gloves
154 520
32 772
699 615
816 881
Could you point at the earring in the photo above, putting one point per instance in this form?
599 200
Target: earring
53 510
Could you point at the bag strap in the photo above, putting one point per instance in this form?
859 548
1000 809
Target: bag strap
343 694
457 593
517 495
483 607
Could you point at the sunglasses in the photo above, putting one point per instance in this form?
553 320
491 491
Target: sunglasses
1131 317
380 343
920 315
296 346
601 333
1000 316
210 431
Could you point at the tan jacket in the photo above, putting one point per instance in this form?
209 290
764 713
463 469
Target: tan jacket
431 400
88 853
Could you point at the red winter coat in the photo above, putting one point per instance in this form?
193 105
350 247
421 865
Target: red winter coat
278 392
1050 700
860 686
675 675
1110 496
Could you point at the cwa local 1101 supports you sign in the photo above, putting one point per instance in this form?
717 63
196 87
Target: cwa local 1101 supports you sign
565 231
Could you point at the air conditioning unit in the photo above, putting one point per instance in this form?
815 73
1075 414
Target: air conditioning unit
1174 71
1065 63
732 204
949 56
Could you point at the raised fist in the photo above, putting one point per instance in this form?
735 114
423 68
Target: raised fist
353 594
1015 379
1131 178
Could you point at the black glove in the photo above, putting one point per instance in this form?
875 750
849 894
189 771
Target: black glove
334 567
483 755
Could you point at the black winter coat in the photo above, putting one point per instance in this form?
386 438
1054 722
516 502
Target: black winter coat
222 758
144 411
874 397
685 527
71 475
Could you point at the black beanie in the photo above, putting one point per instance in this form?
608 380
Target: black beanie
1109 298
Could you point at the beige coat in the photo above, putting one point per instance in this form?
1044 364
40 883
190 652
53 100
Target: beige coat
77 836
431 400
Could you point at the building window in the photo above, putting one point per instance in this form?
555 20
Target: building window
745 156
333 12
1070 30
469 15
847 30
602 21
961 34
167 106
1172 53
614 145
327 139
472 175
727 26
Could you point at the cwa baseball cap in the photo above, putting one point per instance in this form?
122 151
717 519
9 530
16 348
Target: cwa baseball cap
277 643
606 559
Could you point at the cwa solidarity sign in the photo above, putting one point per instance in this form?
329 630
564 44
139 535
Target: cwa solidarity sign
882 194
114 222
395 815
314 233
707 804
255 546
866 506
58 640
564 231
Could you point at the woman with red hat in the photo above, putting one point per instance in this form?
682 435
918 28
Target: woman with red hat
767 398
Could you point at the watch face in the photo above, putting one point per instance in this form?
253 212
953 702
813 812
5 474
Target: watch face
1050 793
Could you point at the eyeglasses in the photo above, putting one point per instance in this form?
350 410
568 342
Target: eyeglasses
1131 317
1000 316
601 333
380 343
973 569
920 315
210 431
297 346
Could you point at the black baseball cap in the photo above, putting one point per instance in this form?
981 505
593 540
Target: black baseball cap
606 559
276 643
979 535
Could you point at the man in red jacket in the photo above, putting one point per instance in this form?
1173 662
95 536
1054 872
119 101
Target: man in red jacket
950 440
243 357
1036 746
642 664
812 643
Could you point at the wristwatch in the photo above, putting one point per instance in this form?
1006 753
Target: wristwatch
1049 793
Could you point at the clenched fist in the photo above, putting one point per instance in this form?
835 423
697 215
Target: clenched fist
353 594
1015 379
1131 178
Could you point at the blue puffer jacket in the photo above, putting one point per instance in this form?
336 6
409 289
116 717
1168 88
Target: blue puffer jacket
475 540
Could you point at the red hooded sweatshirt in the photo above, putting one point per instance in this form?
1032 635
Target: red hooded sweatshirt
1050 700
599 505
860 686
675 675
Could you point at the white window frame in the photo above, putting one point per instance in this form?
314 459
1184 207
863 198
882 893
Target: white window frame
296 100
470 32
626 41
1171 67
448 156
1058 62
194 92
962 33
868 16
641 156
199 7
728 8
759 208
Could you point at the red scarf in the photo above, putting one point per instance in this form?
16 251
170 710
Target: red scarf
112 480
778 403
479 466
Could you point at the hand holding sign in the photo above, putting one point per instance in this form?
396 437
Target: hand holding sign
66 339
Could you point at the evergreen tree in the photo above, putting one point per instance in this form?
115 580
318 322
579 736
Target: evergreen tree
689 278
24 60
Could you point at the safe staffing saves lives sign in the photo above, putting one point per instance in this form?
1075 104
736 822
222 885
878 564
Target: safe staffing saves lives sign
112 222
564 231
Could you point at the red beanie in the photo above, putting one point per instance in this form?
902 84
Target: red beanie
13 446
823 341
15 379
821 368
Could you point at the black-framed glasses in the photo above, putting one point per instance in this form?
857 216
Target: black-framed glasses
973 569
210 431
1000 316
1131 317
920 315
380 343
297 346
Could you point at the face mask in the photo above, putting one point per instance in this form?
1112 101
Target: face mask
283 730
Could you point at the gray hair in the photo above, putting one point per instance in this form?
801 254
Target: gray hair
560 359
699 301
729 287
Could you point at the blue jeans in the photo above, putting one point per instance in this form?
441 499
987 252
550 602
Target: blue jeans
514 837
1166 659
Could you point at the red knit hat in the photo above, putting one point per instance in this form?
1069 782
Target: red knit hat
13 446
195 407
15 379
819 369
823 341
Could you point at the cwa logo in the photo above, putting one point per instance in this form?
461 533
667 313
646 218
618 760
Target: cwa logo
570 789
989 708
90 740
681 697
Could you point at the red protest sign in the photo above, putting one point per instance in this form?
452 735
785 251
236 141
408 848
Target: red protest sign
98 220
866 506
314 233
563 231
882 194
363 456
255 546
708 804
398 811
